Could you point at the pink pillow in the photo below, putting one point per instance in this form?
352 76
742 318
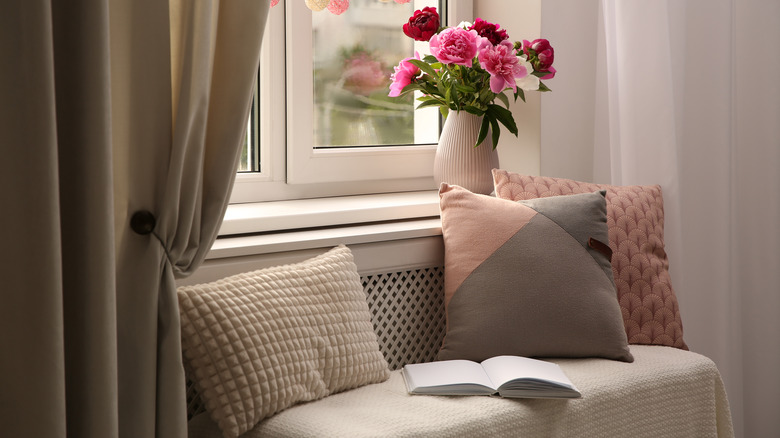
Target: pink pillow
635 220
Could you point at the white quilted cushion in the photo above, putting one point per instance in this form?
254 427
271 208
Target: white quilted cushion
259 342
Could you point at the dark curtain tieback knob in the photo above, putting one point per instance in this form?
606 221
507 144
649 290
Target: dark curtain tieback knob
143 222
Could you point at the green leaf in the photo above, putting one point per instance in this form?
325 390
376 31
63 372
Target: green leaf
427 103
473 110
444 111
430 88
442 87
543 87
408 89
520 93
483 130
496 132
504 116
465 88
486 95
455 96
430 59
502 97
424 66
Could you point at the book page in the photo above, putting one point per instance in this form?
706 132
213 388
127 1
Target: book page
502 369
446 373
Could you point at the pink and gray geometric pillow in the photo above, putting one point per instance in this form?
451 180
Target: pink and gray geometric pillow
529 278
635 222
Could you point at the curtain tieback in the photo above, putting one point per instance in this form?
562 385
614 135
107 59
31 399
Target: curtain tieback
143 222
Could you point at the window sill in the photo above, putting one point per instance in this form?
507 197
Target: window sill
270 227
280 216
320 238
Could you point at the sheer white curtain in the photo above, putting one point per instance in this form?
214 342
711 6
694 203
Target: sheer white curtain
685 94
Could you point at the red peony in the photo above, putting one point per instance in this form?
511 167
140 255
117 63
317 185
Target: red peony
423 24
490 31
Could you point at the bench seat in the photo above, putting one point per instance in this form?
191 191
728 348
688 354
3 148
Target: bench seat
665 392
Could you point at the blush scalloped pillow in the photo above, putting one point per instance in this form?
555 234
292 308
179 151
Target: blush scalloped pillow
262 341
635 219
528 278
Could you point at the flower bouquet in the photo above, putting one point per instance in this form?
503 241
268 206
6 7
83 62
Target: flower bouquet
470 66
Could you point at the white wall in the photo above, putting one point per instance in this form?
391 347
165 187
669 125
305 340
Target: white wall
567 119
522 20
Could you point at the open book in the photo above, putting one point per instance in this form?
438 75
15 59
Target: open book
507 376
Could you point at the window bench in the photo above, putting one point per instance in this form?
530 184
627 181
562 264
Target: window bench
665 392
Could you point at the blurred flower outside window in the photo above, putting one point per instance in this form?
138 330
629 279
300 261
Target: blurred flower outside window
354 55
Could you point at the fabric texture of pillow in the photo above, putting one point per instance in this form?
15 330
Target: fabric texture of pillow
259 342
635 218
528 278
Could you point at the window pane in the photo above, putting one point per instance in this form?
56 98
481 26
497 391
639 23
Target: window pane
250 148
354 55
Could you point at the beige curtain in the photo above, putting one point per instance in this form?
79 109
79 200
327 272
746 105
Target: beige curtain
120 127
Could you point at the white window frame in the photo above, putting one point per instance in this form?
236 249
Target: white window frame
290 167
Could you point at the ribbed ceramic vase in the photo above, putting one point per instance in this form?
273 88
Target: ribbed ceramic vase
457 161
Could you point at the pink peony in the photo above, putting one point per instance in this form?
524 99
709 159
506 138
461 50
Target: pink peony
363 74
456 45
404 73
503 65
400 2
490 31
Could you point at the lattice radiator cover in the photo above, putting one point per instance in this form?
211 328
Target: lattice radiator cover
407 310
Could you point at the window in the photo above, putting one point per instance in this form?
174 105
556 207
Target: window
322 124
250 153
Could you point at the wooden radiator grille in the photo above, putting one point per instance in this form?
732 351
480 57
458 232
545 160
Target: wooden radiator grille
407 310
